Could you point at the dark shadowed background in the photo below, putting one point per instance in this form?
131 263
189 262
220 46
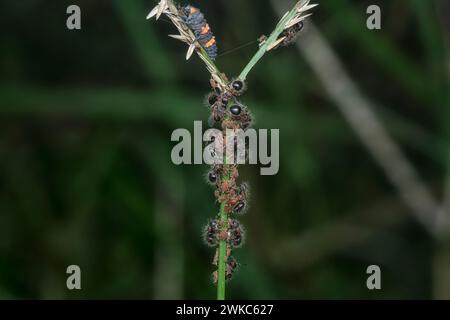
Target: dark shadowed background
86 176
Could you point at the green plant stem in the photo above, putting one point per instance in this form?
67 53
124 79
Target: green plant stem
263 48
222 255
219 76
221 272
221 263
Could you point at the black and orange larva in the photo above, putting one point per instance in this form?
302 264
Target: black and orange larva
198 24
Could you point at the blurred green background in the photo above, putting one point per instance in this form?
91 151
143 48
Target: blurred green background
86 176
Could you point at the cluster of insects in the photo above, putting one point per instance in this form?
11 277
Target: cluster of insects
226 109
227 190
233 234
231 114
216 231
230 266
235 197
225 232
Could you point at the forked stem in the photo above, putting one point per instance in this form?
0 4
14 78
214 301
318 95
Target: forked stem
267 43
186 35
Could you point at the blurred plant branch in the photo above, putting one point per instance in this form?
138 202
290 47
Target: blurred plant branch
168 219
293 17
359 113
441 262
317 244
155 64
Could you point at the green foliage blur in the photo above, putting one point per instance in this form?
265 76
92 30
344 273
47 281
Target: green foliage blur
86 176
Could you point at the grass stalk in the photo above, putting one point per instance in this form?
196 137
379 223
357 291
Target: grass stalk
292 17
221 272
264 47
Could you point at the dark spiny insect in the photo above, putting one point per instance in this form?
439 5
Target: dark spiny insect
211 233
198 24
217 169
289 36
226 186
291 33
237 199
236 233
244 190
239 207
233 224
218 110
240 117
237 87
230 269
211 99
217 102
215 86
